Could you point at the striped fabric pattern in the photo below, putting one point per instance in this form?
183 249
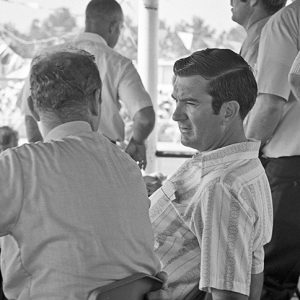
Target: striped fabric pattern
211 220
295 69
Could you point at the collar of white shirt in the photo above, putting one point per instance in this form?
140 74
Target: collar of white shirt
93 37
68 129
234 152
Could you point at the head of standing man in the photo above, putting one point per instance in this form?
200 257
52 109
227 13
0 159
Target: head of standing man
252 15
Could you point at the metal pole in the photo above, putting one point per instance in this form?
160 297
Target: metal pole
147 64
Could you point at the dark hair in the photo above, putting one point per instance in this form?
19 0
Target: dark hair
8 137
63 79
102 8
230 77
272 6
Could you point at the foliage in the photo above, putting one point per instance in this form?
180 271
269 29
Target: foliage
55 25
10 113
51 31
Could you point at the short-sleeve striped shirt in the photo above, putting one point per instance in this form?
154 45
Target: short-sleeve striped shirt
211 220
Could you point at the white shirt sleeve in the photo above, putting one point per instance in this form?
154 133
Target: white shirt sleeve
132 91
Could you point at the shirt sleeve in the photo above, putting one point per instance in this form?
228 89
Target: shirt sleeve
225 233
277 51
132 91
11 188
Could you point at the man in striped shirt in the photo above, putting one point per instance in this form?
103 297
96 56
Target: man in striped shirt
212 218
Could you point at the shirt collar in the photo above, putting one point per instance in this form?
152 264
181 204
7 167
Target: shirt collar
257 26
234 152
68 129
94 37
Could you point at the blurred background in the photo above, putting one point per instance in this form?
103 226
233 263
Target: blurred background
184 26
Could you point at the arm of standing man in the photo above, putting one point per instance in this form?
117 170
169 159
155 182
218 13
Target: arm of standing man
139 105
143 124
264 117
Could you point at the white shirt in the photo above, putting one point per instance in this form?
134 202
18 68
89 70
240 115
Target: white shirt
211 220
75 210
279 45
120 81
250 46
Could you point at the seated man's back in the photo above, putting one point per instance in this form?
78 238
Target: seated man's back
74 208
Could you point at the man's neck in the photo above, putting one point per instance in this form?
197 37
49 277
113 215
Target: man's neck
50 121
94 31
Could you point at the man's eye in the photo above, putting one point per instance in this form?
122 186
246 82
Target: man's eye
192 103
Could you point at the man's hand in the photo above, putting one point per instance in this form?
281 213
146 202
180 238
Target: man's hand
162 294
153 182
143 123
138 152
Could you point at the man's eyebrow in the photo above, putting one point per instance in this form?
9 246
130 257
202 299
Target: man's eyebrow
184 99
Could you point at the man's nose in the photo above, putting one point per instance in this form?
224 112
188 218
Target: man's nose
178 114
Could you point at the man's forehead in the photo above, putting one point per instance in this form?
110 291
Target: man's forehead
183 85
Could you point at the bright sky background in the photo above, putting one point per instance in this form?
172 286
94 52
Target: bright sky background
215 13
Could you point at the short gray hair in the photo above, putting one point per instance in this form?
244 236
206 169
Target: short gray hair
62 79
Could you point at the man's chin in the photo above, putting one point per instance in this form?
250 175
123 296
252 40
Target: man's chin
185 142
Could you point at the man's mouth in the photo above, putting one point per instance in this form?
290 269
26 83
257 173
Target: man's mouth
184 129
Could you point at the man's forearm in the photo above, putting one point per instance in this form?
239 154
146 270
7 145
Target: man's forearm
264 117
256 286
227 295
143 124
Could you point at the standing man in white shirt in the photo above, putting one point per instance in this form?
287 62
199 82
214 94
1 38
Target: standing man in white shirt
252 15
275 120
121 81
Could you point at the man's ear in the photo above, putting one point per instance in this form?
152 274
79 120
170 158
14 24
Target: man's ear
32 108
112 27
230 110
94 102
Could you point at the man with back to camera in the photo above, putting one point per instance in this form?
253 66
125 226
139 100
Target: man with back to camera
212 218
252 15
103 23
275 121
74 208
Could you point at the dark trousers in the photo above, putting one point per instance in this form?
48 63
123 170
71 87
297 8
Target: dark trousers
282 254
2 297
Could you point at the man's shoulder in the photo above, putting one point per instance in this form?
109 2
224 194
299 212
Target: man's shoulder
21 154
236 176
286 17
99 49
